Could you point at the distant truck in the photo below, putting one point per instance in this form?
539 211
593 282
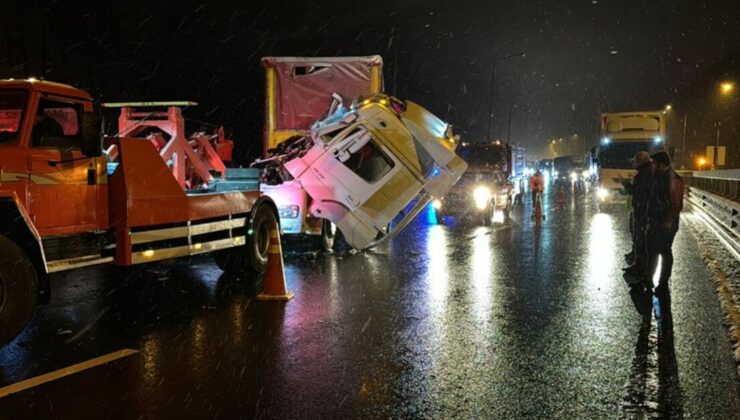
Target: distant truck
485 188
66 202
341 159
622 136
570 169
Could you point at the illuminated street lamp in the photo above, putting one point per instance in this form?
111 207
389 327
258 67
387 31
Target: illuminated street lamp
668 108
726 88
701 162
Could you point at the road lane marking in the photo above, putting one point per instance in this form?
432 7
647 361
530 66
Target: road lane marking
61 373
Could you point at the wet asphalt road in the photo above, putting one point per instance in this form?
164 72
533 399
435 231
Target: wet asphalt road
508 321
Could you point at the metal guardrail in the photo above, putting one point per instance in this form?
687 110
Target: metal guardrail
725 183
723 211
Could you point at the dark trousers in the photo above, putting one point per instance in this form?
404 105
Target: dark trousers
640 242
660 243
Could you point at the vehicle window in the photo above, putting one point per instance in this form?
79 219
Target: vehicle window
370 163
57 125
12 107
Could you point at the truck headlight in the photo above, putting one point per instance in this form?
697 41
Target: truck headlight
602 193
481 196
288 212
437 204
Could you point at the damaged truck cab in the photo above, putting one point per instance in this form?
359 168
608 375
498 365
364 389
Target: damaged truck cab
356 167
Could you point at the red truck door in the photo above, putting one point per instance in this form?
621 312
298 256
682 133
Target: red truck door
63 182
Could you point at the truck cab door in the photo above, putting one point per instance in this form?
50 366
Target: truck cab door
63 182
355 167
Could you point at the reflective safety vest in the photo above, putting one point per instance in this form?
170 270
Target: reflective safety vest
536 183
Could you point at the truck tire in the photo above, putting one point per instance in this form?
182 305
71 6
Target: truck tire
252 257
18 290
341 247
325 240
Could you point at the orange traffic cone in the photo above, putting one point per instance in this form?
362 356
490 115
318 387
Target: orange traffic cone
274 280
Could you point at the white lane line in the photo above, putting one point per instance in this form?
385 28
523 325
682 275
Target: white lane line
61 373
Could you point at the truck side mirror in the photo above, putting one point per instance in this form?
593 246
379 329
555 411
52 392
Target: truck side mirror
92 140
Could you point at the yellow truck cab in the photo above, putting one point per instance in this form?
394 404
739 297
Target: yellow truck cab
355 158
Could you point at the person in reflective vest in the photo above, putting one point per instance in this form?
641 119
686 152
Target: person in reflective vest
536 184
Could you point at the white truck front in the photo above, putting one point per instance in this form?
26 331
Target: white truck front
622 136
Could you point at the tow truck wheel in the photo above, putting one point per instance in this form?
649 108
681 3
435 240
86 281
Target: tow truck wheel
251 258
258 242
18 290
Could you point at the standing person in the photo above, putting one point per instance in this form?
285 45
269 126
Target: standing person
536 184
640 189
664 212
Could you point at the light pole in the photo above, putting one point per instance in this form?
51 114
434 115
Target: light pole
725 89
493 81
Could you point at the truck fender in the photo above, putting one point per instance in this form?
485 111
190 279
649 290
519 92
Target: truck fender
264 201
16 225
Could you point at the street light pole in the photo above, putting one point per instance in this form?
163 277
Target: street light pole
493 86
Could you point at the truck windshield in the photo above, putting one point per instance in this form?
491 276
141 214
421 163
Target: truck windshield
478 157
620 155
12 107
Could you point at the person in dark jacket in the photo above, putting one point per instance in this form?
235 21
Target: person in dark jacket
641 189
664 212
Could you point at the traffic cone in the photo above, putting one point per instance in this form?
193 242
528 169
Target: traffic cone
274 279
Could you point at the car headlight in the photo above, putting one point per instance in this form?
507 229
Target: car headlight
586 174
573 176
602 193
437 204
481 196
288 212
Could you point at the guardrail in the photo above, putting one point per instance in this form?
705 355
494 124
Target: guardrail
725 183
716 194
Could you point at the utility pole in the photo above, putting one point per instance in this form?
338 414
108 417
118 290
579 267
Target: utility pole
493 86
684 155
508 129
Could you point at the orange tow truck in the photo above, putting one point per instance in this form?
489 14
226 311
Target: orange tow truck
71 197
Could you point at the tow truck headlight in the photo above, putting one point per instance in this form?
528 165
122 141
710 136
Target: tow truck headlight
288 212
437 204
481 195
602 193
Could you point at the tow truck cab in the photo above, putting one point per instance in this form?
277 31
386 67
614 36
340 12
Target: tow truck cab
60 209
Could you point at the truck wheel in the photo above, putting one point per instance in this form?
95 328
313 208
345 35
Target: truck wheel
328 235
258 243
251 258
341 247
325 240
18 290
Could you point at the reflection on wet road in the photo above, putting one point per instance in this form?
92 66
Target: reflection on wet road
509 321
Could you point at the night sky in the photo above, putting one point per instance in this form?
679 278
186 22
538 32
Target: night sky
583 57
